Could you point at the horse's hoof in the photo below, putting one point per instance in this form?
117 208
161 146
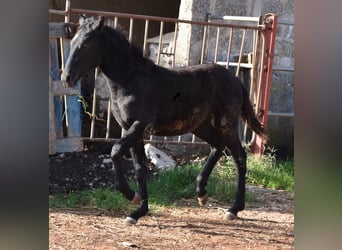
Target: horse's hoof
203 200
229 216
130 221
137 199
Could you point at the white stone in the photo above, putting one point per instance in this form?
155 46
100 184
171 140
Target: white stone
158 158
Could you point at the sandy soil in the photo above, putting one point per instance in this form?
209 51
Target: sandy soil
268 224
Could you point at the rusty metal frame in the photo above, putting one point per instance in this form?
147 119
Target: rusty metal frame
268 37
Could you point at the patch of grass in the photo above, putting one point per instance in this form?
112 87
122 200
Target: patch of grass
267 172
222 184
168 187
98 198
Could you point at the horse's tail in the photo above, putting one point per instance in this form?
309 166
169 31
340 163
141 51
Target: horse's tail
249 116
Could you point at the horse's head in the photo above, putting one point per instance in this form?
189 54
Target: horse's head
85 52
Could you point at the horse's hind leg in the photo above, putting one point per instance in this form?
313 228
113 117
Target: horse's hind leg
139 161
239 155
208 133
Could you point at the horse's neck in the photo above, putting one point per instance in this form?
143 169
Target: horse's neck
114 88
118 63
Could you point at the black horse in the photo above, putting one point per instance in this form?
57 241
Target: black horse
206 100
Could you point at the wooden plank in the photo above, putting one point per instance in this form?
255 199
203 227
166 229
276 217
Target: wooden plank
52 128
73 106
58 93
70 144
55 75
63 30
59 89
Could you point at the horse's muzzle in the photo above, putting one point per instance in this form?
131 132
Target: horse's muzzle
65 78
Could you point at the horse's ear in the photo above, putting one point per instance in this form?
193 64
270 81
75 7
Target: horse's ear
99 23
82 19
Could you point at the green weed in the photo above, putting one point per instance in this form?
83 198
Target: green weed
166 188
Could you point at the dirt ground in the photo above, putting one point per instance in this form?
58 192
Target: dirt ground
267 224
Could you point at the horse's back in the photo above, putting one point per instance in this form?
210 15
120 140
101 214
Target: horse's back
190 95
215 82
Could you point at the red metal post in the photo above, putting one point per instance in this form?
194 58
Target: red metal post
270 21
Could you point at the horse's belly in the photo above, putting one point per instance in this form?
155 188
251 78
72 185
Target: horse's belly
178 126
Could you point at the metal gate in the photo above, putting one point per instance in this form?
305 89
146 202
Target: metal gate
242 44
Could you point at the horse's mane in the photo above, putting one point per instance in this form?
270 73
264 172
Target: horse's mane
121 35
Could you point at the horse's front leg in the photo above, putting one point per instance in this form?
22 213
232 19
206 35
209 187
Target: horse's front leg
130 138
203 176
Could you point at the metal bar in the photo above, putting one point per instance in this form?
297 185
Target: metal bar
151 18
269 33
217 43
67 11
281 68
286 21
229 46
203 43
271 22
57 12
242 65
108 118
262 68
281 114
145 37
92 125
255 61
115 22
189 47
160 40
130 34
235 18
174 45
241 51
